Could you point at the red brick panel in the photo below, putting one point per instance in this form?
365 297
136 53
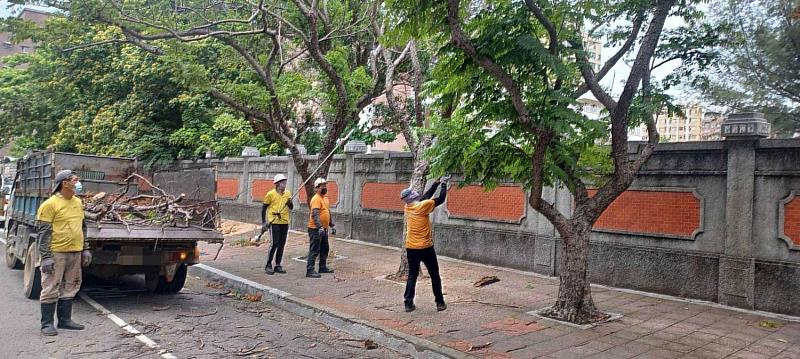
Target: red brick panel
260 187
227 188
504 203
333 194
652 212
143 185
382 196
791 220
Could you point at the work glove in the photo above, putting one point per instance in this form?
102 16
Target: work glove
48 265
86 258
264 227
321 231
444 178
333 229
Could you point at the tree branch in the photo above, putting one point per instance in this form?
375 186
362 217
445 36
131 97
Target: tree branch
94 44
460 40
551 29
417 68
612 61
619 115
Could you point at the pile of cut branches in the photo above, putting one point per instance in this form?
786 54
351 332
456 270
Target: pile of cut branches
156 209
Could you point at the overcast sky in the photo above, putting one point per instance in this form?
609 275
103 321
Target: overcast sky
4 11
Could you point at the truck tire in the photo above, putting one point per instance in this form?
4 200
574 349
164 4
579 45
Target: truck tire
11 260
32 278
177 281
158 283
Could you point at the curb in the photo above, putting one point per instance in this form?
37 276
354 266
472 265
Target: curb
362 329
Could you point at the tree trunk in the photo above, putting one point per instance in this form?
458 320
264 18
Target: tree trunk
574 303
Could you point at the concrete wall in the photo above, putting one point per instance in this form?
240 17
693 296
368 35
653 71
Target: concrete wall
717 221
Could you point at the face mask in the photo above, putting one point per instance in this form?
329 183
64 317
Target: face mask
78 187
323 191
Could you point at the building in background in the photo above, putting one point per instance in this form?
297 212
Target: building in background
594 48
712 122
675 128
8 47
368 116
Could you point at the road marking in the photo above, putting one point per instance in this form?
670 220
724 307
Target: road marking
127 327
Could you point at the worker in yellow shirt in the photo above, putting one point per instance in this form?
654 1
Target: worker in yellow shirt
277 204
318 223
419 240
63 250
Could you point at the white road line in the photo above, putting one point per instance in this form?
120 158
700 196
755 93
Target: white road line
127 327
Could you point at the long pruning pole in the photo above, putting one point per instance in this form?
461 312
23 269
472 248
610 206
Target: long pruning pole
311 175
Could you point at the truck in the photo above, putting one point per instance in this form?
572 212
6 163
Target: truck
162 253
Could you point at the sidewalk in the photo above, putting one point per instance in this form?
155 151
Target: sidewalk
491 321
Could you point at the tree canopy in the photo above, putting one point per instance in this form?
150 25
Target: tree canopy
113 100
758 64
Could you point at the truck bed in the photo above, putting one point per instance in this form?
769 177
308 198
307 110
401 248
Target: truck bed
134 233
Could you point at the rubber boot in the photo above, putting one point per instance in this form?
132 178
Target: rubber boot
65 315
48 309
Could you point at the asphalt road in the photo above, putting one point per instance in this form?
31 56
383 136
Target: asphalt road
199 322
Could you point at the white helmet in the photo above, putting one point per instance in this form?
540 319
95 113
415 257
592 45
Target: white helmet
319 181
278 177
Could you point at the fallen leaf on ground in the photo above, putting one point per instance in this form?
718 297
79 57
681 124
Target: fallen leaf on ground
768 324
486 281
216 285
478 347
253 297
369 344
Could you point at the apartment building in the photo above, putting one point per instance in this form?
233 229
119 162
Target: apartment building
8 47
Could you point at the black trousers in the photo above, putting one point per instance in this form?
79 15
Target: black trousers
427 256
318 246
279 233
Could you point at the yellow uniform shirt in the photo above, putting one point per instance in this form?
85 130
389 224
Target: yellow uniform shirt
277 202
321 203
66 216
418 224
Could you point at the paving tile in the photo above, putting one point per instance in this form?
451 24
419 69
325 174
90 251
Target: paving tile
575 352
724 349
704 336
729 342
765 349
519 342
651 340
630 334
744 354
514 326
707 354
659 354
614 340
628 350
678 347
693 341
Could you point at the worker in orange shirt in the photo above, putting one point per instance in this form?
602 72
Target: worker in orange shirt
419 240
320 223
